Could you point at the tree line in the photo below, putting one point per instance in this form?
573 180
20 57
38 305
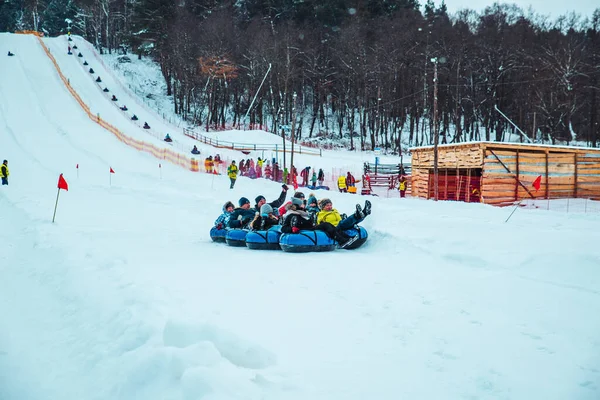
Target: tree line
356 69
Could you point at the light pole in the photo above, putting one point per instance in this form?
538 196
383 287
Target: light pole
436 134
292 132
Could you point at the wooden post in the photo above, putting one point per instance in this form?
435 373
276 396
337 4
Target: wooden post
435 131
547 180
446 186
518 180
575 162
468 194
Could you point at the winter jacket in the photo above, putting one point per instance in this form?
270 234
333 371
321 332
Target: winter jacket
342 182
275 204
223 219
232 171
4 171
296 219
240 217
262 223
333 217
350 181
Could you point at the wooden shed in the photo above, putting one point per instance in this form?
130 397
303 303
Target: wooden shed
501 173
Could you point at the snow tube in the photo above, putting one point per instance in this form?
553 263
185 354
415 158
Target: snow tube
306 241
264 240
218 235
236 237
311 187
362 237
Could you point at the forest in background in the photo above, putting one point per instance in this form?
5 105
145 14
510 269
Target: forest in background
357 69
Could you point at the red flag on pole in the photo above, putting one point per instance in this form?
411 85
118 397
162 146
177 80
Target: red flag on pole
537 183
112 171
62 183
77 166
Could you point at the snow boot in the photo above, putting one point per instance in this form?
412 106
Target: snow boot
350 241
359 212
367 209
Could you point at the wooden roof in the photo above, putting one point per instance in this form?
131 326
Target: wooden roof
512 146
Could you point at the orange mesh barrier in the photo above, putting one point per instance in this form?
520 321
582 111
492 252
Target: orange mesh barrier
160 153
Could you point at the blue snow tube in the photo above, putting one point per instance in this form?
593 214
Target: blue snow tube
311 187
306 241
236 237
264 240
363 235
218 235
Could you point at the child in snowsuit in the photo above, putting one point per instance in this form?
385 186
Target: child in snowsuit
223 220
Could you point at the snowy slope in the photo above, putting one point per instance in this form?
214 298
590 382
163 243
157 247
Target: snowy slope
126 297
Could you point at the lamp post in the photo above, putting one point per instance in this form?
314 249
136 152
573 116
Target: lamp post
435 61
292 131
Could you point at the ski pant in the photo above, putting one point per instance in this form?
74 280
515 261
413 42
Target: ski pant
5 180
349 222
232 182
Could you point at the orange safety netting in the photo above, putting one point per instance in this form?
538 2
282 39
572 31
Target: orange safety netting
161 153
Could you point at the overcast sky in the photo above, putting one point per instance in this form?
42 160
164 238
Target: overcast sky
554 8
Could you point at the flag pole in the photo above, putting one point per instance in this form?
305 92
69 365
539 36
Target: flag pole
513 211
55 205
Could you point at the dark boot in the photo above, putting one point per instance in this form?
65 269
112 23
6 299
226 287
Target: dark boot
341 237
359 212
367 209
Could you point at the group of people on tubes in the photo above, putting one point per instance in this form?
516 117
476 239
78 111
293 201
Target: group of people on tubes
295 215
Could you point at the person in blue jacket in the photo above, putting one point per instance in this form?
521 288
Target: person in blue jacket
223 220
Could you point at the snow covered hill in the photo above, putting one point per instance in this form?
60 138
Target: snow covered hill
126 297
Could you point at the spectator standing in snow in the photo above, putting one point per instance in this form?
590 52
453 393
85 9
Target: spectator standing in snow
321 177
232 172
4 172
402 186
313 179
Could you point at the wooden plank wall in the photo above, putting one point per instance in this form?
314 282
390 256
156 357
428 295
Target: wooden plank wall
419 182
564 175
451 157
565 172
588 175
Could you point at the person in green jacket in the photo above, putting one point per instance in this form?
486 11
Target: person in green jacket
232 172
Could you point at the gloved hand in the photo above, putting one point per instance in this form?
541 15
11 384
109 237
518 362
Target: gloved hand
295 229
240 217
220 225
284 187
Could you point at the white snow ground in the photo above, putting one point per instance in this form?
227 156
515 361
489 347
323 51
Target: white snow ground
126 297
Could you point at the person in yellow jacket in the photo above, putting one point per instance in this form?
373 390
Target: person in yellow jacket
402 186
342 184
232 172
332 216
4 172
